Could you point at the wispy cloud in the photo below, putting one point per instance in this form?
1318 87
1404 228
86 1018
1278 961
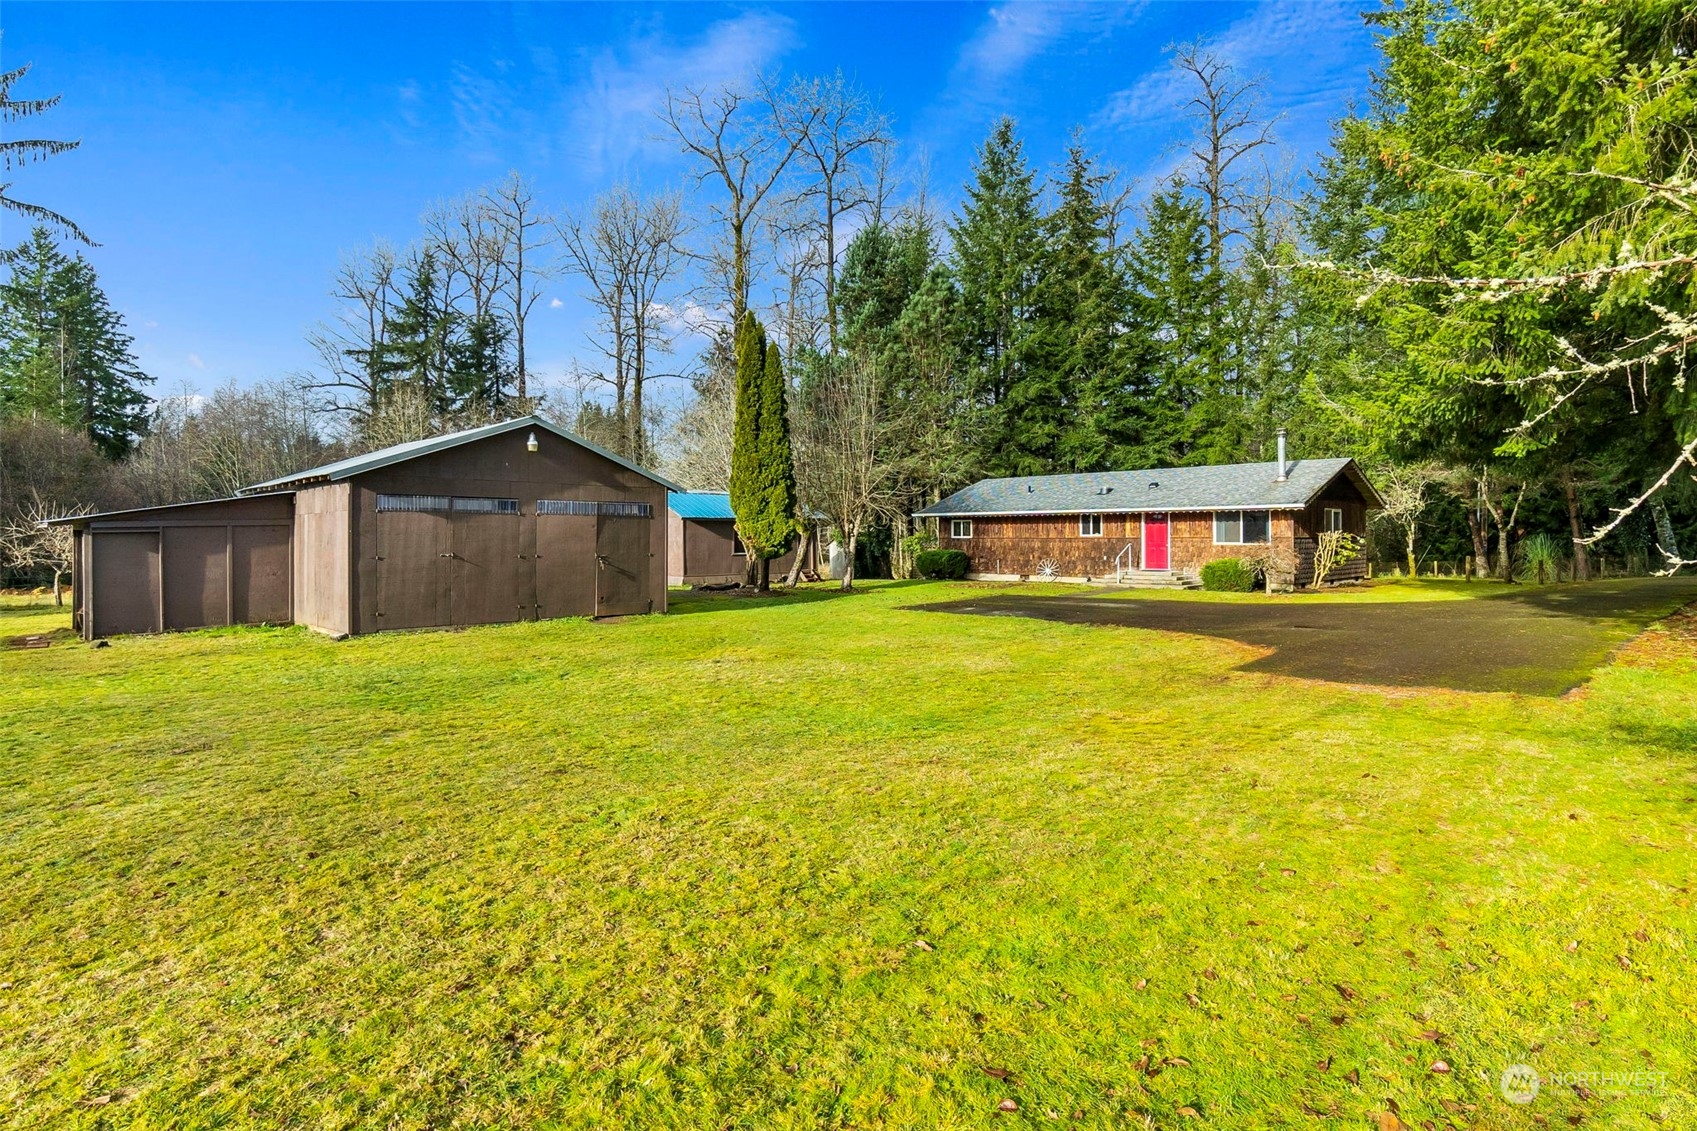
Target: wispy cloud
194 360
555 304
611 110
1307 57
990 64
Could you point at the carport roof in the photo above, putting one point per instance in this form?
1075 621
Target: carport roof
400 453
1232 486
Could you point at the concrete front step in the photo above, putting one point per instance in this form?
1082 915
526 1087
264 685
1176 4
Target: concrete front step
1154 579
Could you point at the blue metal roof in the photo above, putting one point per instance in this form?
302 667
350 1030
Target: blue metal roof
400 453
701 504
1232 486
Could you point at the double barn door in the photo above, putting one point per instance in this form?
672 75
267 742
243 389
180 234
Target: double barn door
453 561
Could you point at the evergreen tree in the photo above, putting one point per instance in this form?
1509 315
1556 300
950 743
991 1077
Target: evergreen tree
1171 334
762 488
63 351
21 151
1071 405
998 245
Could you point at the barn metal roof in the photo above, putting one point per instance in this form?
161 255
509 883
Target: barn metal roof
701 504
400 453
1232 486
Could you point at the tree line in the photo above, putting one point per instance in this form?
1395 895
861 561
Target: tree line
1482 290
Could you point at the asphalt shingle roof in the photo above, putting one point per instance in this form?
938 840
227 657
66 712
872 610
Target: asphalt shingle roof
399 453
1232 486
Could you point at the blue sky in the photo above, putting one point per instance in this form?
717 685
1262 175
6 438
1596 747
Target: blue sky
232 153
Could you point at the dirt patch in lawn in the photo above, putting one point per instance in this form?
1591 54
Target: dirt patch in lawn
1539 641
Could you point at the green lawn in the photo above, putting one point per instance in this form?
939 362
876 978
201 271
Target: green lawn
674 872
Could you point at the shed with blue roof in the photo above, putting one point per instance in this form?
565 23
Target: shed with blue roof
704 548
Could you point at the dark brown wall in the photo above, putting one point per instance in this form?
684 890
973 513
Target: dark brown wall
709 557
501 467
1341 494
214 563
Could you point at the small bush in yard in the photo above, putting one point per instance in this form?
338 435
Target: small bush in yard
949 565
1228 575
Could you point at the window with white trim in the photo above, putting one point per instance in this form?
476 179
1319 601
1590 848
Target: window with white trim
1333 519
1241 528
960 528
1089 526
737 548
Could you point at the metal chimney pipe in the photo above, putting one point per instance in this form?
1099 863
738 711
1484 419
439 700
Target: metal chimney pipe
1284 470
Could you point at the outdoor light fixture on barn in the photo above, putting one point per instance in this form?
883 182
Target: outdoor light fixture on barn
531 445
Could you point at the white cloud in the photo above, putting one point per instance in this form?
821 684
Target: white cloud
990 63
612 109
194 360
555 303
1307 57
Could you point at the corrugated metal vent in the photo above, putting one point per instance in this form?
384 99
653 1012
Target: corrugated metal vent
486 506
585 507
412 502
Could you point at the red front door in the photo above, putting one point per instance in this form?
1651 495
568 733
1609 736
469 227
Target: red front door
1155 541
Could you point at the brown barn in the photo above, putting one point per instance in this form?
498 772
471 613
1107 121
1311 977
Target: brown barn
704 546
513 521
1154 527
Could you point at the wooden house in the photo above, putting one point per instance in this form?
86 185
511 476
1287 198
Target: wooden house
1158 526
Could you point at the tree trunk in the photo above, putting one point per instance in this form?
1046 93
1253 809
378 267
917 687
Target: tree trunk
58 590
765 574
807 540
1581 552
848 574
1409 545
1481 548
1665 541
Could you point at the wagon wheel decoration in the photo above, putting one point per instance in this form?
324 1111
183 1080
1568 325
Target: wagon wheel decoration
1048 569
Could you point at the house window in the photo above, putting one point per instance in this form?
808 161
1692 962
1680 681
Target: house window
737 548
960 528
1089 526
1333 519
1239 528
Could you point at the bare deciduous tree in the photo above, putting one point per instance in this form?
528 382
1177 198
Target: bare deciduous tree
525 231
846 129
1229 128
367 287
628 250
1404 489
841 454
28 543
743 142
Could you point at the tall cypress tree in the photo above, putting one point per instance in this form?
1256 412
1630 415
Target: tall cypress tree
762 470
64 353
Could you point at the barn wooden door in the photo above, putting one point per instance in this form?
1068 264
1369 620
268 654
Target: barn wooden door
565 560
488 582
124 592
412 564
621 565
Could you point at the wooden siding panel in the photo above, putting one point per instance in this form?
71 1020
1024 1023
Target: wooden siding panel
124 582
195 571
323 545
260 583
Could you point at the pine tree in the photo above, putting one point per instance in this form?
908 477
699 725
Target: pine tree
63 351
1169 350
763 495
998 244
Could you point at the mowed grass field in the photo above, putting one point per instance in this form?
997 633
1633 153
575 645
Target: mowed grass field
823 861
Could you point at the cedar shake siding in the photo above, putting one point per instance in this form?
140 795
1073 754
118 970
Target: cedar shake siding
1007 543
